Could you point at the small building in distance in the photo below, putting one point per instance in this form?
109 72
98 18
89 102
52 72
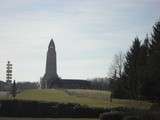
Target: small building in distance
4 86
51 78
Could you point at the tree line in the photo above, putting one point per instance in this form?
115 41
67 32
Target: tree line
100 83
136 74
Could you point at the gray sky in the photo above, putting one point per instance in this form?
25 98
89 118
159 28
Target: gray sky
87 34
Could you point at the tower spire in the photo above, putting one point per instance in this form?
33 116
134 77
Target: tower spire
51 65
51 44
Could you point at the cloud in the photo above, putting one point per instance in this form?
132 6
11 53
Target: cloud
87 34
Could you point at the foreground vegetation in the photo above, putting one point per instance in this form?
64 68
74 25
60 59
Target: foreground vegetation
5 118
39 109
91 98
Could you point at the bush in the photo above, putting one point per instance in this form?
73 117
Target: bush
112 115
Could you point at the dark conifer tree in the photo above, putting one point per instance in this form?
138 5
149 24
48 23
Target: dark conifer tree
131 69
141 74
14 90
143 68
153 83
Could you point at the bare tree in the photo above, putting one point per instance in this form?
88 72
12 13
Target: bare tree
116 67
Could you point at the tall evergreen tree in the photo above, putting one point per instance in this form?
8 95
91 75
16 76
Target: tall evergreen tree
131 69
153 83
143 68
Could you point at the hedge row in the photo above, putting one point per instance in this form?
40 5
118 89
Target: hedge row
21 108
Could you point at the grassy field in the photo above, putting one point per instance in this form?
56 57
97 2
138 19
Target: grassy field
91 98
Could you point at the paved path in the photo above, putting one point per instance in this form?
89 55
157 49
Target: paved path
5 118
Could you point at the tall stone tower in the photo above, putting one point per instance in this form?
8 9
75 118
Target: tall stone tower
50 75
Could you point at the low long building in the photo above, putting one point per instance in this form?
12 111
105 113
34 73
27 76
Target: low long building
4 86
71 83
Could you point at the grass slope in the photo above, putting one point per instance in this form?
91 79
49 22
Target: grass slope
91 98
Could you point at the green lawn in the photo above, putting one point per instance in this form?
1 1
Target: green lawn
91 98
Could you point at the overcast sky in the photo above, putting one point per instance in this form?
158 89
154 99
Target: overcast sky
87 34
